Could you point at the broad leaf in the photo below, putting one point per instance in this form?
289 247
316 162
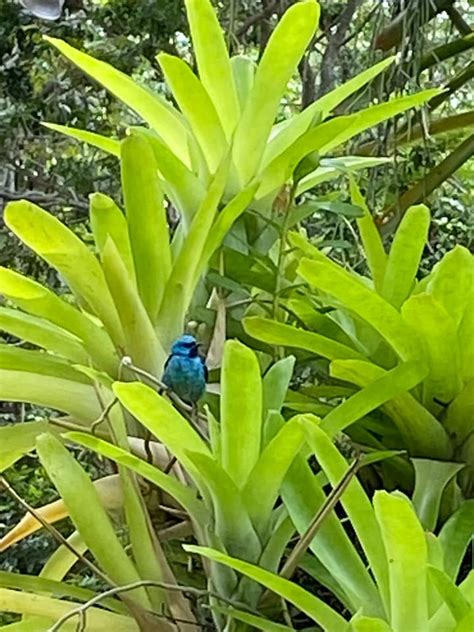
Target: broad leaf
159 114
107 220
213 61
371 239
405 255
241 411
77 491
195 103
141 342
61 248
315 608
292 35
406 551
147 224
40 301
358 298
43 334
284 335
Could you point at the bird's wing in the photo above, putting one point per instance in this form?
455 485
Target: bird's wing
206 370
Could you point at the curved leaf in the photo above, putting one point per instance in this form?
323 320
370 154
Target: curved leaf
147 223
107 220
213 61
284 335
365 303
315 608
292 35
141 343
185 496
105 143
159 114
406 550
405 255
43 334
196 105
22 602
62 249
241 411
40 301
77 491
371 238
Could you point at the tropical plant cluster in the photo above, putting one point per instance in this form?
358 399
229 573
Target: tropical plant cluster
344 500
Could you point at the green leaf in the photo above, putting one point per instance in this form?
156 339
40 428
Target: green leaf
263 485
107 220
184 495
455 536
159 114
77 491
53 609
241 411
43 334
371 239
406 551
331 168
232 520
387 386
108 145
259 623
276 382
466 345
320 109
303 495
62 249
422 433
184 189
459 414
292 35
277 172
375 114
36 378
315 608
467 622
35 584
141 343
437 330
181 284
162 420
366 303
223 223
196 105
40 301
213 61
458 604
451 282
243 70
284 335
431 479
147 224
369 624
405 255
357 507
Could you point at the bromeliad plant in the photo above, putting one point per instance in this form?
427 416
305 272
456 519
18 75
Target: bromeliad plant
230 108
405 341
129 299
413 579
235 475
234 482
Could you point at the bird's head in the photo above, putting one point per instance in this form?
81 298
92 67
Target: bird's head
185 346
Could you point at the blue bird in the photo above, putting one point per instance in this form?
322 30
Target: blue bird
185 371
